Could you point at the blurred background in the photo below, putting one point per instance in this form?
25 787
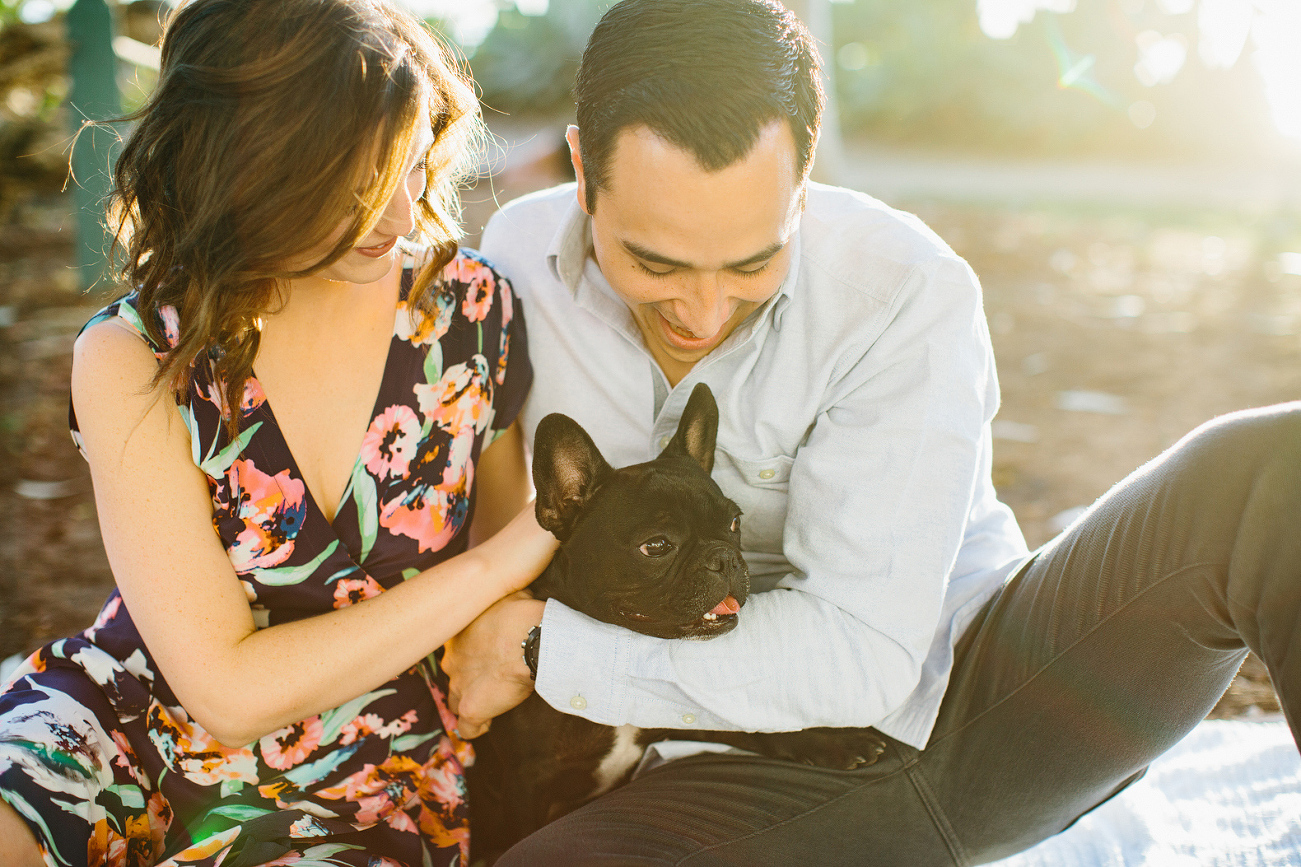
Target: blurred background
1123 175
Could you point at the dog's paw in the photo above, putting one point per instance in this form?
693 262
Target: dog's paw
835 749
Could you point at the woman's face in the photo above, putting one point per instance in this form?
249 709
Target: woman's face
376 253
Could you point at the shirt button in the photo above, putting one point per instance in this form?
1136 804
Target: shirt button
664 442
689 718
578 702
767 474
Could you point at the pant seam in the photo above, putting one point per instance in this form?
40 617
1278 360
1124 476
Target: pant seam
811 810
1057 657
941 821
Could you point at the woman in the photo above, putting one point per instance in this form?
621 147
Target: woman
265 693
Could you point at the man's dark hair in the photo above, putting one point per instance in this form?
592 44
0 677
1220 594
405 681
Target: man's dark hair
706 75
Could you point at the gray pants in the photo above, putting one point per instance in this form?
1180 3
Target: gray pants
1103 651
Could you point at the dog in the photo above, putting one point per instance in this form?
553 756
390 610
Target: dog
654 547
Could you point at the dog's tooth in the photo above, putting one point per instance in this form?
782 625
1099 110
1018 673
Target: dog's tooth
711 616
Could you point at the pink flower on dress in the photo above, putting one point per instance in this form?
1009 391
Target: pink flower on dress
360 728
252 398
401 725
171 324
478 296
291 745
433 513
442 784
507 314
377 790
462 398
350 591
391 442
272 509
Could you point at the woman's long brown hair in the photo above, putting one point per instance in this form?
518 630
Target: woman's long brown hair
272 122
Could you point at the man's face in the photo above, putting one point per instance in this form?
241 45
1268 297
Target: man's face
691 252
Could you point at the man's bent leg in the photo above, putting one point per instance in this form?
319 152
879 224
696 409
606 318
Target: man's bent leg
1120 636
1111 644
731 810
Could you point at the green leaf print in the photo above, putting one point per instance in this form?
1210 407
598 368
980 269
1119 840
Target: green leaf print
434 362
231 787
306 775
410 742
218 465
367 500
130 796
283 576
239 812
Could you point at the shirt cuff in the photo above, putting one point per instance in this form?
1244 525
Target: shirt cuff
611 675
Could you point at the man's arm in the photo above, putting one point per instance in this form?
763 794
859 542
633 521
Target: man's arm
879 497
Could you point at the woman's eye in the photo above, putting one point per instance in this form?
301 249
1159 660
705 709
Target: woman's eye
421 166
657 547
736 524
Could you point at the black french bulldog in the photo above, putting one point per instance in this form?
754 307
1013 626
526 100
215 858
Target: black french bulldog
654 547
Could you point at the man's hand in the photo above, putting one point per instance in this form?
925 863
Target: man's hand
485 663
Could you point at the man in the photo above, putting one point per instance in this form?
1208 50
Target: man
848 350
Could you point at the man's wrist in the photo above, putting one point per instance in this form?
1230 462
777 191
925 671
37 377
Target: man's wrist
531 646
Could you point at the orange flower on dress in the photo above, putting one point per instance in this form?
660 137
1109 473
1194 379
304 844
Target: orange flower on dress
194 753
461 399
350 591
272 509
291 745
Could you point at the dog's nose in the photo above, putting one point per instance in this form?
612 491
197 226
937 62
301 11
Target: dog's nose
722 559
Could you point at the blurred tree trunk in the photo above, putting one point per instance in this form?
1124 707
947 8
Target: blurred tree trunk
816 15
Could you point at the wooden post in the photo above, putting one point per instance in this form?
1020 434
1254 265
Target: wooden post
94 95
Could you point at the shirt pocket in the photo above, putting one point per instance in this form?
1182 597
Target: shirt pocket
759 487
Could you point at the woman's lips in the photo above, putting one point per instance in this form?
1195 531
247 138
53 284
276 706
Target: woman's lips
376 252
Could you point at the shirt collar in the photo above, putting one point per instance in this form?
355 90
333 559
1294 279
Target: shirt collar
568 248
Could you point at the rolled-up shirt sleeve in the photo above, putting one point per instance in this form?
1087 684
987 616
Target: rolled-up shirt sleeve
880 493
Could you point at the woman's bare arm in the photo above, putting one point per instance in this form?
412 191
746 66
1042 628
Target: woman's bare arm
155 512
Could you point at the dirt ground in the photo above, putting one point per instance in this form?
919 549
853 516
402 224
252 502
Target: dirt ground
1115 335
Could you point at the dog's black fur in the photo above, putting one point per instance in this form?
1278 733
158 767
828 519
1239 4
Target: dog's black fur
654 547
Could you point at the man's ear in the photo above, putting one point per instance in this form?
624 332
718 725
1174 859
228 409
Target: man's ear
567 470
576 157
697 432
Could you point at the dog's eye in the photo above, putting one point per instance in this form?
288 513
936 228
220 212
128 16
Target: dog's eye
657 547
736 524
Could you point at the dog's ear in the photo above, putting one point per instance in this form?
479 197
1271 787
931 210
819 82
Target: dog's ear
698 429
567 468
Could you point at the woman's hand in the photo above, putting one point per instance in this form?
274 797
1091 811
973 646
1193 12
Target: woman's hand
485 663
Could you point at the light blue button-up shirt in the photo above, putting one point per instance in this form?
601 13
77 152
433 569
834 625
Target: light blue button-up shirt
854 434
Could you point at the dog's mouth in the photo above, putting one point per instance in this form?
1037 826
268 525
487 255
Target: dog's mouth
722 614
719 619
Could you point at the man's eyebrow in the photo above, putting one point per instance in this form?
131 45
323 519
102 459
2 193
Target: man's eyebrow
651 256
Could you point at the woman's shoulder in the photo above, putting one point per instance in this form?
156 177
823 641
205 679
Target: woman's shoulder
126 314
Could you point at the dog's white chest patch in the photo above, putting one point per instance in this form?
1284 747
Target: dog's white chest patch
623 756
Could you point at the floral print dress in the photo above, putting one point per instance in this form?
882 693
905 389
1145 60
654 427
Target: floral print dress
101 760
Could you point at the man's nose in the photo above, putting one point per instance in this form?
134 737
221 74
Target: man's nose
704 310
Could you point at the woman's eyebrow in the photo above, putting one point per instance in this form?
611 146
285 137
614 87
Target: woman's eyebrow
651 256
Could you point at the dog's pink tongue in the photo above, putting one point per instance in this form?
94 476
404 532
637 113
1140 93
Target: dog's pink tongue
727 606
